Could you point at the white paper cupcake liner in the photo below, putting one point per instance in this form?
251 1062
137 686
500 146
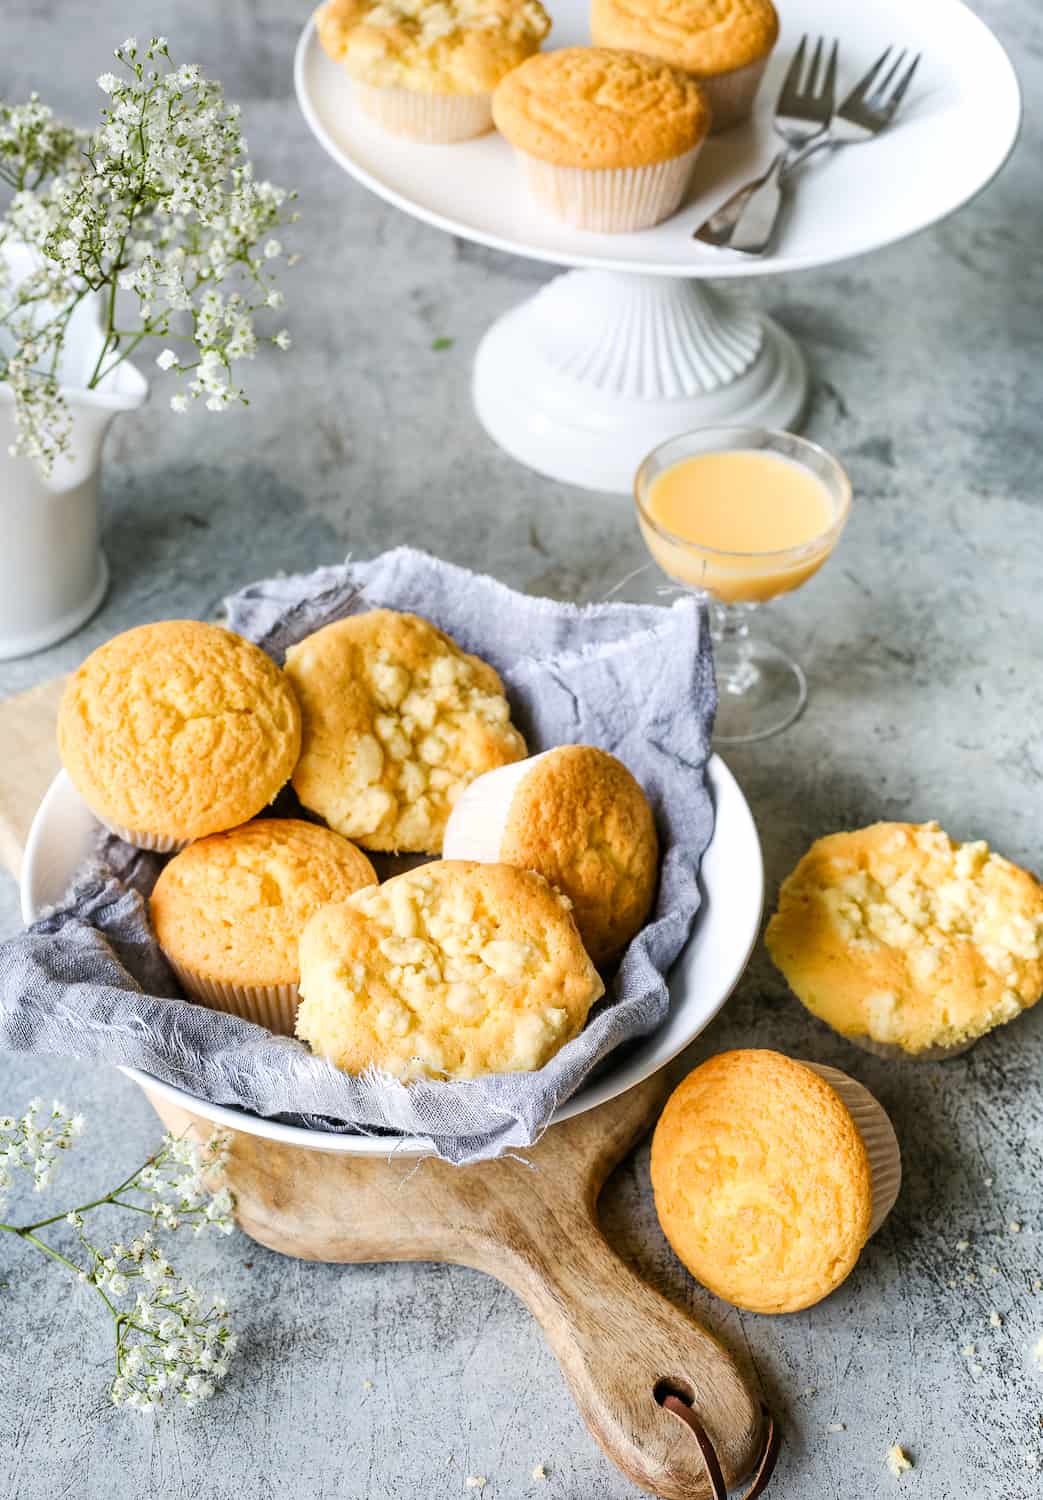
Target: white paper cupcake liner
476 824
610 200
732 95
157 842
435 119
878 1137
270 1005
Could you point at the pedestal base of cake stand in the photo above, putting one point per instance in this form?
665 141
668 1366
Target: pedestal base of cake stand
584 379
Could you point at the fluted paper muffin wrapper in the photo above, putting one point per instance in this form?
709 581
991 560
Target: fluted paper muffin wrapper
476 823
159 843
270 1005
434 119
732 94
878 1137
610 200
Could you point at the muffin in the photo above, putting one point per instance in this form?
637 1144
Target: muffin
426 69
606 140
229 910
906 942
769 1175
397 721
723 43
452 970
577 817
176 730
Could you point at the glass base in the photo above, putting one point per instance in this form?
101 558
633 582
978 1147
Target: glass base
760 691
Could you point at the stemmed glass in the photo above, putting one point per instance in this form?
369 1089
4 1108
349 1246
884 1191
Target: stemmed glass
761 690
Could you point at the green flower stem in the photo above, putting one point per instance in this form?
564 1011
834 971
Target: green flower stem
83 1208
46 1249
111 339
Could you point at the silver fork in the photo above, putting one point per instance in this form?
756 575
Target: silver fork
803 113
873 103
747 221
805 104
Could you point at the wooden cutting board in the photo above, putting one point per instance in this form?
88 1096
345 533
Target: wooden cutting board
28 764
624 1349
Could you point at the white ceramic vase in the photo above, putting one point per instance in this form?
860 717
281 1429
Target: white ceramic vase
53 575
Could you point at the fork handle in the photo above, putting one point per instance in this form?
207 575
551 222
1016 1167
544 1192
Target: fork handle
717 229
756 222
821 143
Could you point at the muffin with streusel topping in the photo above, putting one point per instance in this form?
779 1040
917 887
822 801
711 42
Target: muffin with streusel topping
397 721
908 943
453 970
426 69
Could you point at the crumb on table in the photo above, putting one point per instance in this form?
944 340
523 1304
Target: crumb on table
898 1461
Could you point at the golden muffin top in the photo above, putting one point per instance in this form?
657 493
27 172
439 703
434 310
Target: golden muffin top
431 46
452 970
592 107
896 933
178 729
397 720
762 1182
702 36
577 817
232 907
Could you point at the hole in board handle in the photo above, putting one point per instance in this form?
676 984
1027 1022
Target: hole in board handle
673 1385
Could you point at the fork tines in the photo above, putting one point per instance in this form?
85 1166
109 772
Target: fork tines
875 91
801 86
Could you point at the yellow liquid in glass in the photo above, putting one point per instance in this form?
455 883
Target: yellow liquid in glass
748 503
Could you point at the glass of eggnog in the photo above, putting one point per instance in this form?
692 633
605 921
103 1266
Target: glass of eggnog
740 515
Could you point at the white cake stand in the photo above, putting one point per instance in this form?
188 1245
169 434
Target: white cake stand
633 346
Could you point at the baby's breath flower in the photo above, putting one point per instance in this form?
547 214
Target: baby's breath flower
166 360
34 1143
172 1341
160 203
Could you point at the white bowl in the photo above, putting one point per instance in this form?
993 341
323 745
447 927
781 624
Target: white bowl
703 977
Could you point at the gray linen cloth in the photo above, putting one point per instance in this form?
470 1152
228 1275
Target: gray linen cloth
88 979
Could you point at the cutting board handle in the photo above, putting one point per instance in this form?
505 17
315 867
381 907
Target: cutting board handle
624 1349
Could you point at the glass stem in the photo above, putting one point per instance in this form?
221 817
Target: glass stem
732 648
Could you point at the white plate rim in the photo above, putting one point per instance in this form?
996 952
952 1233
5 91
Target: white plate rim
735 836
728 266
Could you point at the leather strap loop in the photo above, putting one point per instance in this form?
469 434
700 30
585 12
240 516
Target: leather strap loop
714 1473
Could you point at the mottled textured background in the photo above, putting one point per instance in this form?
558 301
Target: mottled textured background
923 643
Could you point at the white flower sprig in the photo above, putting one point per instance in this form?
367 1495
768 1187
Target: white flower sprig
171 1340
160 203
34 145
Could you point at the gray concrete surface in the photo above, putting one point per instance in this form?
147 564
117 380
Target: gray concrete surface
923 643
